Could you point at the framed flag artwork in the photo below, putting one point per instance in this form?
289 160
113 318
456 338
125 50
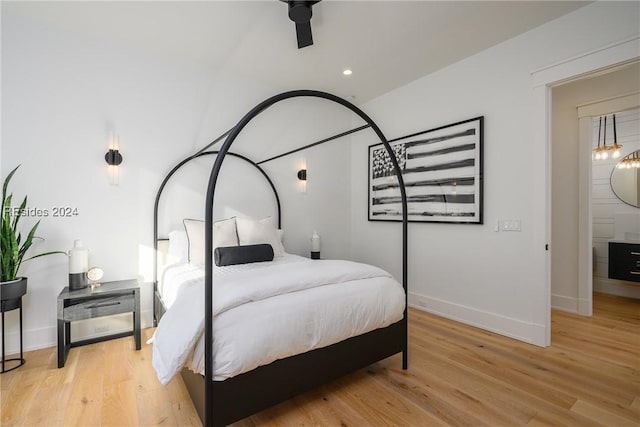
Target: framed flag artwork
442 173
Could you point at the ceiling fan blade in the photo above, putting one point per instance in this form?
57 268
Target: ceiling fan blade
303 31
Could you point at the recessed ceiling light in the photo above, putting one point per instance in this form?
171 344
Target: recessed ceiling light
347 72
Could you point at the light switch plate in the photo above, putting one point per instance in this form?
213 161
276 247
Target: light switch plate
511 225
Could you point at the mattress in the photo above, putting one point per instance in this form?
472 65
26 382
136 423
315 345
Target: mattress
268 311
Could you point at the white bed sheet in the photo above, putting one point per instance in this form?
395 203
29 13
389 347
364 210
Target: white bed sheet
248 335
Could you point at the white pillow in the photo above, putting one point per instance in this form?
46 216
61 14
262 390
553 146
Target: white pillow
178 246
253 232
224 234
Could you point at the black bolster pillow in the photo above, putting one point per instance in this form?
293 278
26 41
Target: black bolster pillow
230 255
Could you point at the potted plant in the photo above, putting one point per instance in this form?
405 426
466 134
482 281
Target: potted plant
13 247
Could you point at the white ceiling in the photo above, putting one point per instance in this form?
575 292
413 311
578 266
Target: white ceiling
386 43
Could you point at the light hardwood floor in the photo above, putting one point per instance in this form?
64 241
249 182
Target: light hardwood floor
458 375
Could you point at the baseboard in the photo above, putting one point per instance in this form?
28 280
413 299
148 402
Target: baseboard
620 288
513 328
563 303
36 339
33 339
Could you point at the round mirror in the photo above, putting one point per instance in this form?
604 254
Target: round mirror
625 179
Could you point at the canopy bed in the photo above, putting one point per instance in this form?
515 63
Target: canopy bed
358 312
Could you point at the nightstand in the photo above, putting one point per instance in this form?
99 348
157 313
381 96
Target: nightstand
105 300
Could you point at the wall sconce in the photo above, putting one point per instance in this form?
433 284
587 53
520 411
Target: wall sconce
113 159
602 152
302 177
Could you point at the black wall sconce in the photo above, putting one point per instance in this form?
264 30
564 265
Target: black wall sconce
302 177
113 159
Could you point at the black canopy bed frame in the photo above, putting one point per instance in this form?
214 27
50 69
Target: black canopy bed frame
220 403
158 306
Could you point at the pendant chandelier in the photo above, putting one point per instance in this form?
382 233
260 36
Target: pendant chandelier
630 161
601 152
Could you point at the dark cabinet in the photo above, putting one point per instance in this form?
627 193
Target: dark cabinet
88 303
624 261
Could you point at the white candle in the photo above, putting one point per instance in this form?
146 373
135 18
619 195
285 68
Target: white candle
315 242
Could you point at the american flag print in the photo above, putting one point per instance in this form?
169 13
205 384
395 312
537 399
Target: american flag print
442 172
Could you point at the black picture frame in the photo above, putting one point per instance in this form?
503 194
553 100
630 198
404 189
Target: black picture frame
442 170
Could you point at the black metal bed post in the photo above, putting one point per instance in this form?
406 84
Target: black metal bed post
166 179
213 179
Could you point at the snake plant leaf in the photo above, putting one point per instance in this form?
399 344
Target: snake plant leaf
18 214
6 184
6 212
45 254
28 241
13 248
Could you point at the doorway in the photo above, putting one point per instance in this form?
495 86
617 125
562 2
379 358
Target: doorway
579 254
543 79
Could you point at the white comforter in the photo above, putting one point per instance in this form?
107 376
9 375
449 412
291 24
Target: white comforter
272 312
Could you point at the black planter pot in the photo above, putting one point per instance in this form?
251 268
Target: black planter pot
10 299
11 292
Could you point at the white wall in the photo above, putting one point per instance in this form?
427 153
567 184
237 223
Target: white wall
565 172
470 272
64 93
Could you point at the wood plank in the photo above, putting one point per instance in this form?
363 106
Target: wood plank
458 375
56 376
553 382
85 403
49 406
177 390
119 404
37 359
441 397
497 368
500 392
325 409
143 372
183 408
17 401
284 414
565 376
6 381
379 406
504 400
603 416
154 407
118 365
185 413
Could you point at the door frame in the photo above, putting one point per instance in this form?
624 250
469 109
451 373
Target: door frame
543 79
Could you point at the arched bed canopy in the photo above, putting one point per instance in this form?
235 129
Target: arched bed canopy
176 168
241 396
